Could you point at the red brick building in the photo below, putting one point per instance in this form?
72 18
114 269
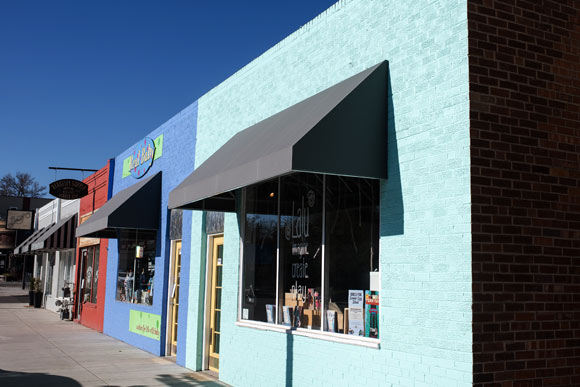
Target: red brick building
524 63
91 263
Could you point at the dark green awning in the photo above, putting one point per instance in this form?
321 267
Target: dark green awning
341 131
134 208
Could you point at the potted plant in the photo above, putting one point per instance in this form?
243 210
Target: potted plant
31 291
38 293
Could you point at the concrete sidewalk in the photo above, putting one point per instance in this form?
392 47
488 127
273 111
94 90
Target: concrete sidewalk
38 349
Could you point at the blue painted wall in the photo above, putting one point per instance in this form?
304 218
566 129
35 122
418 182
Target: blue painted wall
176 163
425 245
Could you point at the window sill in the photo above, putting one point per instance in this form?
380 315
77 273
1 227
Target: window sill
320 335
133 304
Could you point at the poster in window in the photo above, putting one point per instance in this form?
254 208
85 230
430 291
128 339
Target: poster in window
372 314
356 323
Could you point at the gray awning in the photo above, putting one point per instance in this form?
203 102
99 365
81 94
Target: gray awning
59 236
24 247
134 208
341 131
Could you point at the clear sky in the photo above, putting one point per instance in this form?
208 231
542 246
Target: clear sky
81 81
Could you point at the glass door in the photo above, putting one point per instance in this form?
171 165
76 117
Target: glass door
217 251
174 298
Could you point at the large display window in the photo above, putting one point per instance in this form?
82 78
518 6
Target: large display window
310 253
66 271
136 268
90 261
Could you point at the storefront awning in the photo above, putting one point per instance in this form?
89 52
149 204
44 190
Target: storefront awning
24 247
59 236
134 208
341 130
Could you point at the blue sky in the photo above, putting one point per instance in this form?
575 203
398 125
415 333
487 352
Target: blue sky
80 81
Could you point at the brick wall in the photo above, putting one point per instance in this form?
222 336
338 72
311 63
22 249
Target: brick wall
525 149
425 246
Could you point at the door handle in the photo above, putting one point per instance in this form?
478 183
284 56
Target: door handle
210 336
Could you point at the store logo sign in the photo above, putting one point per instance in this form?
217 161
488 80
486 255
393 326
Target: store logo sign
141 159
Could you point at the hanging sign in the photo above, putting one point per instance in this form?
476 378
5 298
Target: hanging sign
141 159
19 220
68 189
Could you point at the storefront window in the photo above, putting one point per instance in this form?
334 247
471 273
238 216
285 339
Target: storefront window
90 256
320 233
351 252
260 243
301 249
136 268
66 269
49 273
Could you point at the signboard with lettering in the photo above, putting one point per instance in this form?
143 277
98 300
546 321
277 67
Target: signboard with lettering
68 189
19 220
145 324
141 157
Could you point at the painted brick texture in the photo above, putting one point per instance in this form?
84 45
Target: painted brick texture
176 164
524 63
98 183
425 255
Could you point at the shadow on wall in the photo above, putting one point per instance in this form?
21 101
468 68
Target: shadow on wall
25 379
392 209
392 212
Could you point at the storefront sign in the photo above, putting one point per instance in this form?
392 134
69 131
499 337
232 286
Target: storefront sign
145 324
19 220
68 189
141 157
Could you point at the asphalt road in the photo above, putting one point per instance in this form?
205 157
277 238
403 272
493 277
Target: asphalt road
38 349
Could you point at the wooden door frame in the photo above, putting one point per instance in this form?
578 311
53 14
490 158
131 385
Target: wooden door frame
207 298
168 331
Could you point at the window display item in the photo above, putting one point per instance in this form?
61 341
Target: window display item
270 313
310 318
356 323
287 315
297 316
340 316
331 320
372 314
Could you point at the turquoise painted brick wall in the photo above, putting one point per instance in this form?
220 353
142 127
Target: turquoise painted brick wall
425 250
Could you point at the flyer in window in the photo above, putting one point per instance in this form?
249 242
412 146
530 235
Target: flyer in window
356 322
287 315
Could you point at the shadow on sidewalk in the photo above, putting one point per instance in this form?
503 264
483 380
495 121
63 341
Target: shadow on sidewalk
192 379
25 379
15 299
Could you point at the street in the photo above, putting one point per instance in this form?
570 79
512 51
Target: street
38 349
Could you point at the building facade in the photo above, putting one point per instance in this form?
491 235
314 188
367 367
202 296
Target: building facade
142 275
423 243
53 246
91 257
387 196
477 238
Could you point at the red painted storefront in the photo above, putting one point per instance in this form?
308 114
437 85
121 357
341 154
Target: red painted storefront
91 261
